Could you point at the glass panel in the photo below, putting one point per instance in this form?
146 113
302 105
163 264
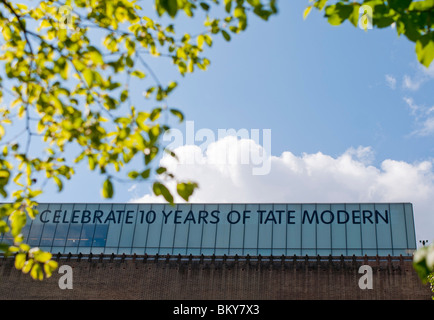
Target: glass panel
279 230
182 217
309 219
48 235
409 221
399 236
146 217
154 232
125 250
62 217
196 230
251 230
237 217
266 220
88 229
338 230
36 228
384 236
129 223
74 231
369 237
210 213
223 230
84 250
97 250
323 229
49 229
56 250
99 236
114 215
354 240
293 229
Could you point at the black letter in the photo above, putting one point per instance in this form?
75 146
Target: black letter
97 214
214 216
56 216
45 211
356 217
128 216
384 219
260 215
245 216
177 216
367 217
202 215
271 213
332 217
84 215
166 216
149 221
347 217
314 215
290 217
190 217
230 220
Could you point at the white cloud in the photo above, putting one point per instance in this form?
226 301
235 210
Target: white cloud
315 177
427 71
391 81
424 117
412 83
421 76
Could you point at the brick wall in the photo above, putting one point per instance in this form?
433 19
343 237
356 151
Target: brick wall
205 278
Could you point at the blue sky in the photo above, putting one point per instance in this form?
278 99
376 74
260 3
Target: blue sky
318 88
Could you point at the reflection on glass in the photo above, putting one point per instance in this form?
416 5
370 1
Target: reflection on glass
100 236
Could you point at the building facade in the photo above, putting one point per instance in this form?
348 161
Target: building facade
222 251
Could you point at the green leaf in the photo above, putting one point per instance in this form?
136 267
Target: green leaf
138 74
185 190
422 5
170 6
228 5
161 170
319 4
49 267
20 260
226 35
4 247
178 114
425 49
145 173
399 4
88 77
306 12
36 272
107 189
354 16
160 189
338 13
27 266
42 256
18 221
204 6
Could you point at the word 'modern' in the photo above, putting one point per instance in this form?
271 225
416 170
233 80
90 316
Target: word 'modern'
214 216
